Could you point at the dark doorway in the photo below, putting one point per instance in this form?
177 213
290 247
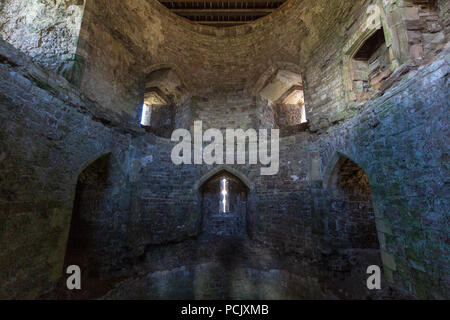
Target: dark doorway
86 242
351 223
351 240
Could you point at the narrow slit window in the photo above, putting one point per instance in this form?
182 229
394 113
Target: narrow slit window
224 196
146 115
303 114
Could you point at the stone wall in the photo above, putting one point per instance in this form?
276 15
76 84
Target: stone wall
121 42
330 94
162 121
149 220
399 141
112 63
419 27
47 31
444 10
225 111
50 133
288 115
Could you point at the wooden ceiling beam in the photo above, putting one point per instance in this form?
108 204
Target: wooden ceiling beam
201 12
223 22
222 12
223 1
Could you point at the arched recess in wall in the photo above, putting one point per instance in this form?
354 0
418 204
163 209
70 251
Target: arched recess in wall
350 222
250 185
350 189
283 88
180 74
226 203
257 85
164 106
368 57
95 226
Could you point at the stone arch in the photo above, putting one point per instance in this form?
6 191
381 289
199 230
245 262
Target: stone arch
331 178
330 169
96 172
167 79
93 224
351 197
80 245
280 90
224 206
250 185
370 41
258 85
171 66
88 163
165 100
251 197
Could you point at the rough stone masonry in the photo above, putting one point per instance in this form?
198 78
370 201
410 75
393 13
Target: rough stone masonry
358 89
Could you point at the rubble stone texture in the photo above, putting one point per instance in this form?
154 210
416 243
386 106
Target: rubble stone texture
363 182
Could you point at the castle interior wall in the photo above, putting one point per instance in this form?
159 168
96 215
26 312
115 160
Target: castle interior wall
363 183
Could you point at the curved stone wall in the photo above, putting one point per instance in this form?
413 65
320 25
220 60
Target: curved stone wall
46 30
53 129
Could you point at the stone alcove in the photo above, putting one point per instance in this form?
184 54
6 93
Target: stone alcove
353 232
353 221
96 228
224 206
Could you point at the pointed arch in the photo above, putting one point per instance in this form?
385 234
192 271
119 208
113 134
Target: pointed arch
88 163
174 68
228 169
331 168
329 173
224 203
262 80
336 180
89 202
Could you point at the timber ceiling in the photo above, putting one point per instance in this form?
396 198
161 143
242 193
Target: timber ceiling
222 13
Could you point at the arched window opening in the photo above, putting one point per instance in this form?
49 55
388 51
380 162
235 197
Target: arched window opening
146 115
152 101
283 89
165 96
291 112
295 101
370 66
224 206
224 202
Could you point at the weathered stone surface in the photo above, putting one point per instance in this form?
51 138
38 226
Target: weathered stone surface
47 30
71 148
